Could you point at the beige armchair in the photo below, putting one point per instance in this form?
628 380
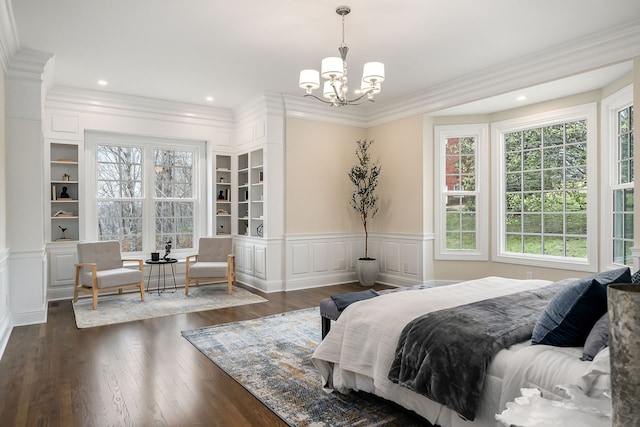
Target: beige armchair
100 268
215 262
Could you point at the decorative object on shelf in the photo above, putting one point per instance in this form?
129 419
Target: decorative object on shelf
624 324
221 195
364 176
155 256
167 249
66 177
221 179
62 214
334 69
260 176
62 238
259 230
64 195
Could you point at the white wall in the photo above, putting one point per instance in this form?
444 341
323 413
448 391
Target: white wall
24 190
5 318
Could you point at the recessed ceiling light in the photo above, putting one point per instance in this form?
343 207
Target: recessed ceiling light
521 97
102 82
209 98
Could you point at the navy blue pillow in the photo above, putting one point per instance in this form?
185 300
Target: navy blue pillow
562 324
619 275
572 312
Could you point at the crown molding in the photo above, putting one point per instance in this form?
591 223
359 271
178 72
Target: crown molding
9 42
309 109
265 103
86 100
28 64
606 47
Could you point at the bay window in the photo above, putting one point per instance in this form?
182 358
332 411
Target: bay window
461 182
545 198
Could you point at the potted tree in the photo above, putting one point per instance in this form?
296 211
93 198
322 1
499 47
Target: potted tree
364 176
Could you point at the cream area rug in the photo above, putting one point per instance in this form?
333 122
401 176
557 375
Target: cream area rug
128 307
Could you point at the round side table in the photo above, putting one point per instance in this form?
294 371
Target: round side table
162 264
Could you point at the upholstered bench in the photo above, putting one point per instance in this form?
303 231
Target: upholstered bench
329 310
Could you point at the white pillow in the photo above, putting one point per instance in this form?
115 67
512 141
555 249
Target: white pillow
597 378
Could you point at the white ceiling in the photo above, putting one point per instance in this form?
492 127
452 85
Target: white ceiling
232 50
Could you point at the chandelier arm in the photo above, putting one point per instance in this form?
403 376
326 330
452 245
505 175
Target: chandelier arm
338 97
319 99
359 98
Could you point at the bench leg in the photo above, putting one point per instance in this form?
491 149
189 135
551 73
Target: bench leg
326 325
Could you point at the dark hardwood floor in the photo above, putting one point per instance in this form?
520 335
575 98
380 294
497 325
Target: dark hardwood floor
139 373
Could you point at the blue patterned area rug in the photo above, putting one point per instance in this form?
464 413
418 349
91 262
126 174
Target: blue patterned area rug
271 358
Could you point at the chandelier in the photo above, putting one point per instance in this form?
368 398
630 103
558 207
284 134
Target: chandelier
334 70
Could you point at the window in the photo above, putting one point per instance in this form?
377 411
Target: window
544 210
145 192
119 196
461 216
617 152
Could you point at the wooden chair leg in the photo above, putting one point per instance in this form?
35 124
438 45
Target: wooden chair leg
186 287
95 299
142 290
229 285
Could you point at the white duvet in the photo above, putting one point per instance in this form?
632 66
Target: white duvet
358 351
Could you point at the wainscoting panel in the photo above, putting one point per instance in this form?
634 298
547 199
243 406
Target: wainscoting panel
260 258
62 258
392 257
300 258
248 259
27 285
339 251
321 260
411 258
321 257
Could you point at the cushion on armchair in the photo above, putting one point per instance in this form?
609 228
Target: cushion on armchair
208 269
214 249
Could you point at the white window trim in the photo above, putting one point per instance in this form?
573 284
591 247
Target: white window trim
93 139
608 155
481 133
586 111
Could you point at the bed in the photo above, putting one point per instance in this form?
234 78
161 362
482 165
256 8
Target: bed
361 349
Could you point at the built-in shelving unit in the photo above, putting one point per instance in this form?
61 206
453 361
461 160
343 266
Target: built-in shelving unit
251 194
63 209
223 194
256 192
243 194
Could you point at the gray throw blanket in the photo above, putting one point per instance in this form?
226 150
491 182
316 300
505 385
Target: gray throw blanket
444 355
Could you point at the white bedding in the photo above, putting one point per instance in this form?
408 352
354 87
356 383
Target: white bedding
359 349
